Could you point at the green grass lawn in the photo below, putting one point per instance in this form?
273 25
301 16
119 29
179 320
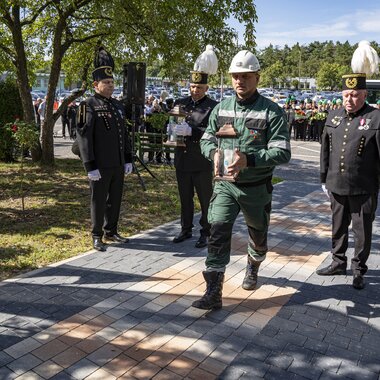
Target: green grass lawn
55 223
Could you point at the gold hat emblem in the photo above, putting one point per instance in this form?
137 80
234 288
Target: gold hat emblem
108 71
351 82
196 77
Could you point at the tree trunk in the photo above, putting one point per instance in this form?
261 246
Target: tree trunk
22 76
47 128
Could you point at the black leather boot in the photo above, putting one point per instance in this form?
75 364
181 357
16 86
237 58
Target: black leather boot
250 279
212 299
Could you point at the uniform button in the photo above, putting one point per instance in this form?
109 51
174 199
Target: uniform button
342 164
342 157
350 118
345 136
348 123
344 143
341 170
343 150
346 129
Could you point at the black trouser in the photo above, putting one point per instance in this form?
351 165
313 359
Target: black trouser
202 182
65 123
360 209
106 197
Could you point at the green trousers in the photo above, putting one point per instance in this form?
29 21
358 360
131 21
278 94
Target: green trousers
226 202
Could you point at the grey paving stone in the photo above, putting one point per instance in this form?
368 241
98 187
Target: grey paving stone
80 370
272 344
202 325
280 360
222 330
283 324
300 354
326 363
337 340
5 358
310 332
24 364
22 348
342 353
291 337
349 332
7 374
305 319
316 345
276 373
327 326
356 373
305 370
332 376
232 373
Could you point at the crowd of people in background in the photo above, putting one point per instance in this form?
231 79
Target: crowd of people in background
306 118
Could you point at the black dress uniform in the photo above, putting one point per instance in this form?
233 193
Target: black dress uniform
104 145
193 170
350 167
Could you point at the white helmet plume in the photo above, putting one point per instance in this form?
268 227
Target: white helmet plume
365 59
207 62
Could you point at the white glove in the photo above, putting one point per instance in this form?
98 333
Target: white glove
325 190
128 168
183 129
94 175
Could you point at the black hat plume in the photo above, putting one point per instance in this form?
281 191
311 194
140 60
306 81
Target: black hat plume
104 65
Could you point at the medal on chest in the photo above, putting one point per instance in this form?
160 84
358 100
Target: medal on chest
364 124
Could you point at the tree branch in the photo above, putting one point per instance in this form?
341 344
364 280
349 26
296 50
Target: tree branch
30 20
8 51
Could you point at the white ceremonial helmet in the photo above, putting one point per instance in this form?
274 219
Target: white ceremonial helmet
244 62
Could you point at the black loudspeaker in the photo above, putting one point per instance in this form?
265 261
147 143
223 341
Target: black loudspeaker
134 77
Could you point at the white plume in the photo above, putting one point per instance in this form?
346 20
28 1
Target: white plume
365 59
207 62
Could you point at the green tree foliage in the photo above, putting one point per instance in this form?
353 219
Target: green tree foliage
329 76
66 32
325 61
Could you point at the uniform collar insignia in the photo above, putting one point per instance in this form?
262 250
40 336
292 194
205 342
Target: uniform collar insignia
336 120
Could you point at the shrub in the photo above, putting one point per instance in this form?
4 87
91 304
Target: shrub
10 105
16 137
10 109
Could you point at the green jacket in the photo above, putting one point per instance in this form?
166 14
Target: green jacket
262 134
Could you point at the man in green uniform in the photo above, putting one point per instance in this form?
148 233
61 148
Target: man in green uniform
263 141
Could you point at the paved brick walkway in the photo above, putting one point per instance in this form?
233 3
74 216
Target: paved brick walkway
126 314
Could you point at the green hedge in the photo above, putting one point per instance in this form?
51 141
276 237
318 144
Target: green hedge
10 104
10 110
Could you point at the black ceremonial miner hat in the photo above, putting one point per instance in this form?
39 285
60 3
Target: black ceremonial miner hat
103 64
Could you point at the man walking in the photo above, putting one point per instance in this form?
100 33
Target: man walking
263 138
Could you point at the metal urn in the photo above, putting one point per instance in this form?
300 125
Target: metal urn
177 117
226 136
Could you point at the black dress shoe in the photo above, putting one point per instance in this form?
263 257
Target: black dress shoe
182 236
202 242
116 238
98 244
358 282
331 271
